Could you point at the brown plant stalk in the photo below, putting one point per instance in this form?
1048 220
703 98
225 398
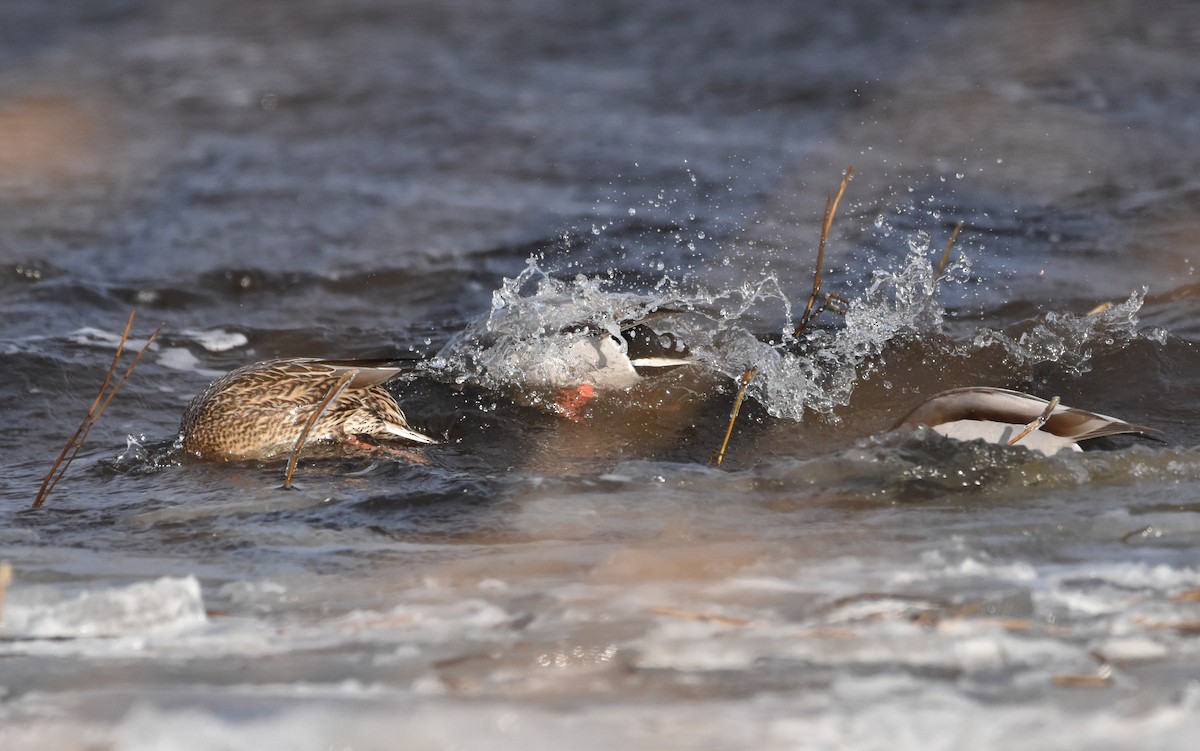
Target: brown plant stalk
733 415
1038 423
946 253
99 404
332 394
831 204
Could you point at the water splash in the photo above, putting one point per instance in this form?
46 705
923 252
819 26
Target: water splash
534 317
1070 340
820 373
517 346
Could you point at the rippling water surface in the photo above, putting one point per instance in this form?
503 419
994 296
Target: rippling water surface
453 183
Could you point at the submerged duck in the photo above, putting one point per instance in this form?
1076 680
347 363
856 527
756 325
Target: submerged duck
1014 418
606 361
259 411
546 359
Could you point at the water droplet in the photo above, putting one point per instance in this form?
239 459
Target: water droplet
633 212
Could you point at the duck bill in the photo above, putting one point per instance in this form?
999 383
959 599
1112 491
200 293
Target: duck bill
409 434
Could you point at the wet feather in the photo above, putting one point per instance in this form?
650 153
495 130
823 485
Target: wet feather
259 411
997 415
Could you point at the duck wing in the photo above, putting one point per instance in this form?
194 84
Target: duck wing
1007 406
649 349
368 372
644 347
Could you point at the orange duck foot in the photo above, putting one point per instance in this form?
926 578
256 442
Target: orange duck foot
570 403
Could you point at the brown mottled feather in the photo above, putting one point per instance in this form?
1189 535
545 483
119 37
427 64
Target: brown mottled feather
258 411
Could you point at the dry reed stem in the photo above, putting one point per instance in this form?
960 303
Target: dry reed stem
831 205
333 393
129 371
733 414
824 632
99 404
688 615
1139 532
1100 679
1039 422
1186 628
843 303
5 580
44 490
946 253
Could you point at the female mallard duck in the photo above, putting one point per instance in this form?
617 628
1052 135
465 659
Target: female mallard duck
259 411
1013 418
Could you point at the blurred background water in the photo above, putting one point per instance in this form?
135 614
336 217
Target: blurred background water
359 179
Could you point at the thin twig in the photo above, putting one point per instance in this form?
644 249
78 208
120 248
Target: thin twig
128 372
831 204
726 620
843 303
5 580
1100 679
94 416
1039 422
946 253
99 404
333 393
44 490
733 415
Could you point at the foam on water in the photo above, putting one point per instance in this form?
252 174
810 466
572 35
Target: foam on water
854 714
48 613
859 666
217 340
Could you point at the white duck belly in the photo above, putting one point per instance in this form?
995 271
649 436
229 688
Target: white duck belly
993 431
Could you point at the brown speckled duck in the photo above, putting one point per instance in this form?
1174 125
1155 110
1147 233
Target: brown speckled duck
259 411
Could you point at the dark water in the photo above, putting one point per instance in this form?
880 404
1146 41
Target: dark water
372 179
